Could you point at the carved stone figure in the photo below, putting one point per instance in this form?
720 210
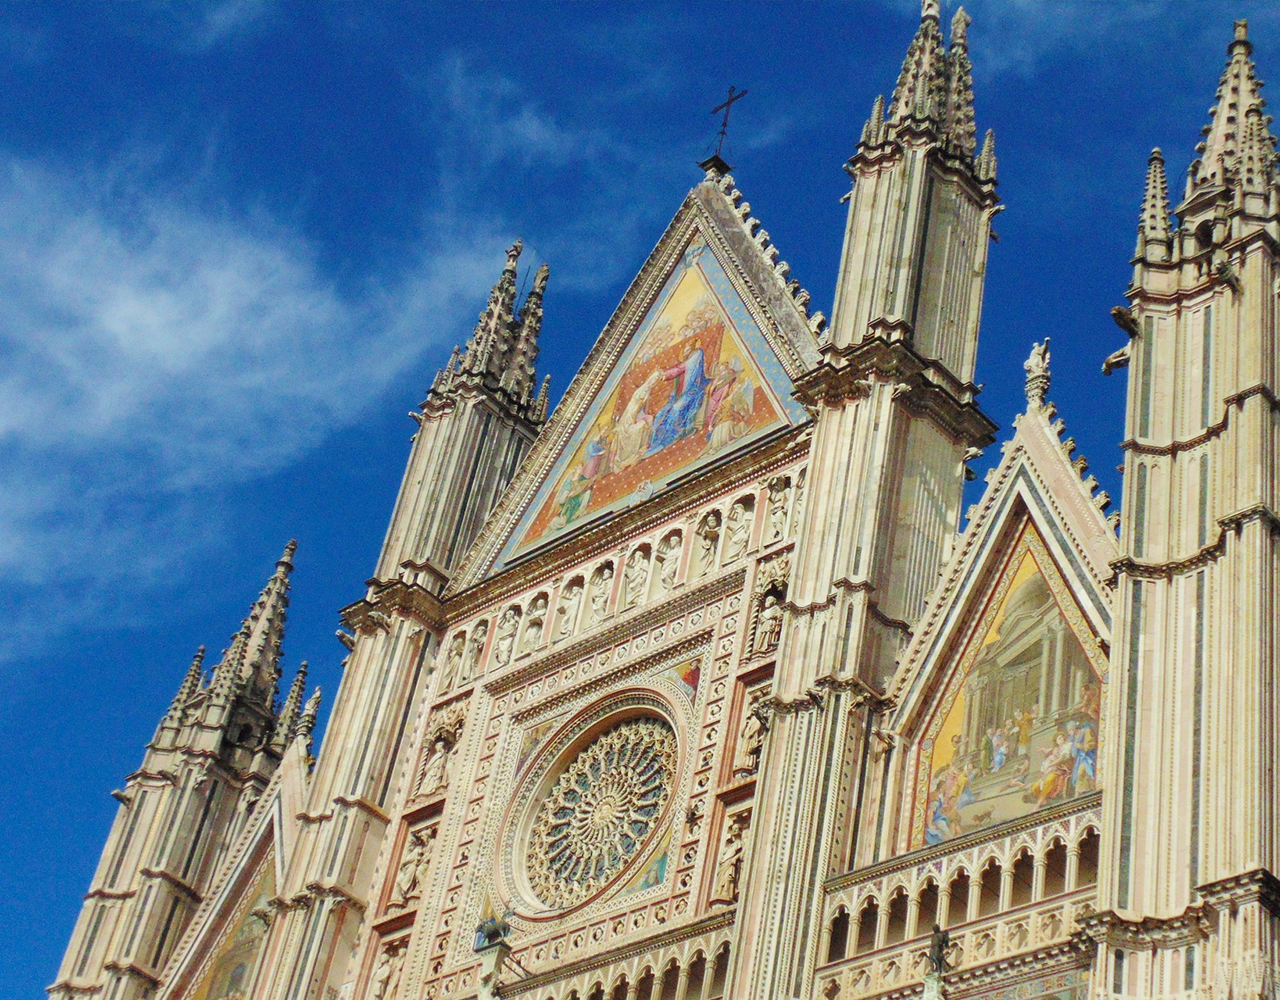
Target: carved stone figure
777 509
798 503
635 577
600 586
746 759
729 868
505 643
570 604
708 542
737 531
533 624
475 646
412 874
1037 368
435 769
386 974
668 561
769 624
457 646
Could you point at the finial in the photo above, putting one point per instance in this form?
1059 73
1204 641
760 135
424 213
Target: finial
930 9
960 27
540 280
1037 369
1242 32
513 254
287 557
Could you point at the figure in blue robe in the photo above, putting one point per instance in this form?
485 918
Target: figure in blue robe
676 418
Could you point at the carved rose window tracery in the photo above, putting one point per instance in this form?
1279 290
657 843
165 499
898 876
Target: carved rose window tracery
601 811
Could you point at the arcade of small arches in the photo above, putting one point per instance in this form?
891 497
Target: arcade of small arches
959 897
700 976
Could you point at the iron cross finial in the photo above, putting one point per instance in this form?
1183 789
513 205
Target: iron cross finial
726 107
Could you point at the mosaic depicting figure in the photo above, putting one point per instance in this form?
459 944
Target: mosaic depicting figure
687 387
1022 732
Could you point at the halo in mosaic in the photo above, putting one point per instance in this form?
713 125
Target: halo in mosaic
601 811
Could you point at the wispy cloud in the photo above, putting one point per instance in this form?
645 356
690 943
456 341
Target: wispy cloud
153 354
207 24
1018 37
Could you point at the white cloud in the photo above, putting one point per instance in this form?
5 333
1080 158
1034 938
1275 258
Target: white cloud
202 26
153 354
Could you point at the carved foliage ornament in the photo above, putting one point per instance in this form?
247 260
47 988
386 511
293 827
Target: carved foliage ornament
601 811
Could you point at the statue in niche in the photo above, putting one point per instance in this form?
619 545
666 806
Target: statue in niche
435 768
768 624
475 646
737 531
708 542
386 973
746 759
412 874
570 604
668 561
533 624
729 868
798 504
777 509
457 646
505 643
635 576
600 586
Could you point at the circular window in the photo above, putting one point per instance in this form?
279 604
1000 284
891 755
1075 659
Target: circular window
600 810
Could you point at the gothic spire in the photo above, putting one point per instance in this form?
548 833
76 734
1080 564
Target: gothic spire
502 353
190 685
253 658
1238 130
1153 226
958 123
986 165
307 721
287 720
923 74
491 342
523 364
935 86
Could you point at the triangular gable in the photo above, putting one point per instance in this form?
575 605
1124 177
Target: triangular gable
219 951
696 364
974 686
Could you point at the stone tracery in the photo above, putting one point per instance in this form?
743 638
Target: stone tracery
601 810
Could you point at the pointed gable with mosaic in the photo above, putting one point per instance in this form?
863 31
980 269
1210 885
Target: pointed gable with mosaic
1000 693
695 366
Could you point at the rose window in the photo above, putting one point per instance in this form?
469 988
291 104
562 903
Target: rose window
601 811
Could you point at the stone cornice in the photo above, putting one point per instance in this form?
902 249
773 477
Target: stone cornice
410 599
911 859
928 389
1210 432
889 151
1258 885
1206 554
1145 933
615 955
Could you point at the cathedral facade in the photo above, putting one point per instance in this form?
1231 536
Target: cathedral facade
705 686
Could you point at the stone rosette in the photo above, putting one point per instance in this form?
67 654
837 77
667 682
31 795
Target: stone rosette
601 810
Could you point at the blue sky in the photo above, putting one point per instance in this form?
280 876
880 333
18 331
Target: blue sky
237 240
